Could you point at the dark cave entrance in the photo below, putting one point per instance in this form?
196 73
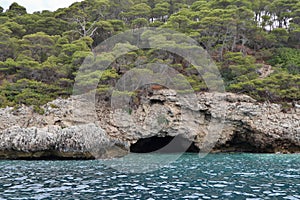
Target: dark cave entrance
166 144
243 142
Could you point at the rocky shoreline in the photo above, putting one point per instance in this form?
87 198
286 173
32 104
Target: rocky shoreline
215 122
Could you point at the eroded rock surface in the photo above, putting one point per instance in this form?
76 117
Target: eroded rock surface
53 142
220 122
76 129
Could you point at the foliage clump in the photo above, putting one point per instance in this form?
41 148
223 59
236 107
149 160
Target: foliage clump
41 53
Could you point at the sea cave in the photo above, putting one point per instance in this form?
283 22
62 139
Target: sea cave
167 144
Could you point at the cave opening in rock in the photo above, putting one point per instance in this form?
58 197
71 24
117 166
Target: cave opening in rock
243 142
167 144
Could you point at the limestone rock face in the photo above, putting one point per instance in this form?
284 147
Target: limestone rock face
221 122
255 127
52 142
76 129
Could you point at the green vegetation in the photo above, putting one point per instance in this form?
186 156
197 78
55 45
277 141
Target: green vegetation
40 53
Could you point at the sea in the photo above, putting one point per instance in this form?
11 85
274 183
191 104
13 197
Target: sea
148 176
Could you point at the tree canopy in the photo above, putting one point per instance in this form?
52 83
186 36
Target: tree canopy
40 53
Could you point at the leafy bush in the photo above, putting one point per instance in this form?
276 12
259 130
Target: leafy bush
287 58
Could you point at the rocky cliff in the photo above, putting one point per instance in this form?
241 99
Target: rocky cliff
164 121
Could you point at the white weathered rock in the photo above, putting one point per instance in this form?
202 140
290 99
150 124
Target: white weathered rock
68 130
83 141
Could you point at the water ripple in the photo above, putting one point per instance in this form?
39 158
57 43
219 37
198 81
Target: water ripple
221 176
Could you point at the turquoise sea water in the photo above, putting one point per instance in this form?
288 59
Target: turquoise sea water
220 176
